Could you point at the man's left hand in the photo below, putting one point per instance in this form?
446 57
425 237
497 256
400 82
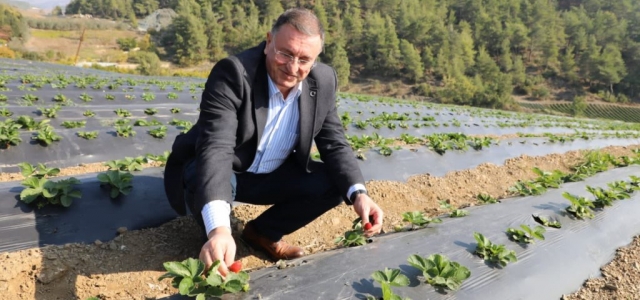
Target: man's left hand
365 208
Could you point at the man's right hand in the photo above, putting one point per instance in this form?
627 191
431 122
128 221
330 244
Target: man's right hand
220 246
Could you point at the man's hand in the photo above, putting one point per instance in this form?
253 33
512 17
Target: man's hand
365 207
220 246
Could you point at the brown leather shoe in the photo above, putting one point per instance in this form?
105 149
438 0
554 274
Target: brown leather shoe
277 250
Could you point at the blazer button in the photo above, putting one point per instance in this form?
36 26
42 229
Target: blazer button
312 93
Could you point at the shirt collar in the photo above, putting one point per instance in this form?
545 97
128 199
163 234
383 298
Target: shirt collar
273 89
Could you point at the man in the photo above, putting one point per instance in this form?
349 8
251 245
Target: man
260 112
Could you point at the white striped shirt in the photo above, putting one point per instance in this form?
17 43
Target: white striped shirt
281 134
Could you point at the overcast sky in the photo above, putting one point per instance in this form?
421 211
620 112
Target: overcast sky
47 3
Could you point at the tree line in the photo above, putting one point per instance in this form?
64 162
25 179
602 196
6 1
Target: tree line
475 52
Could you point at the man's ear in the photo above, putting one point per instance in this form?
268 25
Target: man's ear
268 42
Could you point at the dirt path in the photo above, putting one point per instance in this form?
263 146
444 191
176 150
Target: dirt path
128 266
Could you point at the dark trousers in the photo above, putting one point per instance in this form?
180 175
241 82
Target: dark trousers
297 197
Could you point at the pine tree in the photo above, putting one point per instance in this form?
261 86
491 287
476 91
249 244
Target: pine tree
190 41
611 67
414 70
569 66
340 63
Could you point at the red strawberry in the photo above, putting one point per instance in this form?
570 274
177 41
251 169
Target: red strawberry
236 266
367 226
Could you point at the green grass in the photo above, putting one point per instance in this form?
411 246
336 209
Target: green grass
602 111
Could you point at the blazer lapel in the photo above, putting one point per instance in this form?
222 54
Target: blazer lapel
307 103
261 100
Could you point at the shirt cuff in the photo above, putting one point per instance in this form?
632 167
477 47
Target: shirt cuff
215 214
355 187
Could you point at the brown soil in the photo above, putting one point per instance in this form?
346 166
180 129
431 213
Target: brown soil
619 278
128 266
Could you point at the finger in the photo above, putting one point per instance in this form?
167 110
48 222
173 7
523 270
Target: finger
206 258
230 255
218 255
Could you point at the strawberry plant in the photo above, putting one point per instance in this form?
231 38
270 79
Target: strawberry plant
9 134
386 151
580 206
439 271
121 122
458 213
46 136
162 158
110 97
142 122
620 189
127 164
486 199
634 182
123 113
172 96
3 98
88 135
478 143
159 132
148 97
44 191
119 182
150 111
527 188
493 253
444 204
181 124
387 279
50 112
85 97
354 237
73 124
191 279
130 97
30 98
418 219
125 131
549 179
5 112
174 110
40 171
88 113
526 234
60 98
29 123
547 222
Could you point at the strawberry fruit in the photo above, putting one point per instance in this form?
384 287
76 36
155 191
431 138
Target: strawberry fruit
236 266
367 226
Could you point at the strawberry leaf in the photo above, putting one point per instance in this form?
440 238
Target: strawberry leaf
186 284
177 268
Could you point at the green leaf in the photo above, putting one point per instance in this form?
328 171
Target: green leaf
103 177
195 266
177 268
66 200
166 275
75 194
29 194
186 284
200 297
215 291
233 286
214 279
114 192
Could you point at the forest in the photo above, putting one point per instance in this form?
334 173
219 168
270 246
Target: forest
476 52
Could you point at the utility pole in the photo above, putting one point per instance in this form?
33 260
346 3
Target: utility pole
75 60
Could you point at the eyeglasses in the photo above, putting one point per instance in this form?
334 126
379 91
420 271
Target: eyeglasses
285 58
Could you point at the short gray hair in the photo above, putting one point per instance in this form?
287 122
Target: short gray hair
303 20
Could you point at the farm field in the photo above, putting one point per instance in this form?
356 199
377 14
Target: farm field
593 110
417 157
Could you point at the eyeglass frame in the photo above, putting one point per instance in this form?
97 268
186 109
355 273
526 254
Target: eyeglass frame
290 58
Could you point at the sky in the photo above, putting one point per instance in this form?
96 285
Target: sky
47 3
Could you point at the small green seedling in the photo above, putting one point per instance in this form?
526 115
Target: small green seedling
493 253
547 222
486 199
119 182
46 136
5 112
527 188
73 124
191 279
444 204
88 135
51 112
175 110
123 113
439 271
129 164
354 237
85 97
145 123
39 171
526 234
151 111
387 279
88 113
580 207
162 158
458 213
9 134
125 131
159 132
418 219
148 97
44 191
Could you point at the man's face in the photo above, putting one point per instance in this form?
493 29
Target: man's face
290 56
